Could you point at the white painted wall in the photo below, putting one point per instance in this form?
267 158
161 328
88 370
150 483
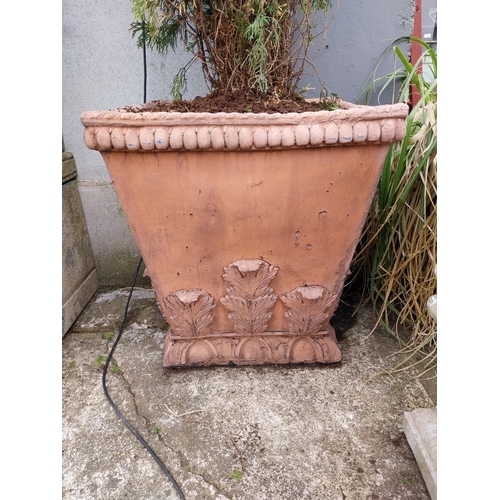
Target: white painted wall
102 68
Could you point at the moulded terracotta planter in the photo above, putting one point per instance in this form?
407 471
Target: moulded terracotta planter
247 223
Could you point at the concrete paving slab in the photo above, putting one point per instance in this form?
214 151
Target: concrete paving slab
420 428
323 432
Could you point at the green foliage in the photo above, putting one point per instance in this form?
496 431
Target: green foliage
179 83
241 44
237 474
405 481
398 253
328 100
158 431
100 360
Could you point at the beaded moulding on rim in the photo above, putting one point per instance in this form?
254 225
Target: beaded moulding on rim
173 131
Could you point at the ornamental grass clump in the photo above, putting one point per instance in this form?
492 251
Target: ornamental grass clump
242 45
397 256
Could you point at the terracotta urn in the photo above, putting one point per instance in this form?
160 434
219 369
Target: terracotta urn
247 223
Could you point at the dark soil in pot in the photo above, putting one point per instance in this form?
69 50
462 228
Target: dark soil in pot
252 102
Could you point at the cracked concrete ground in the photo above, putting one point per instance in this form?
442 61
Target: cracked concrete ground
326 432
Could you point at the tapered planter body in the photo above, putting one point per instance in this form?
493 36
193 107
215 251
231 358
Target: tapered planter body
247 223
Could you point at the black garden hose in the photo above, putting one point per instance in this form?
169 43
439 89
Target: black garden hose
125 421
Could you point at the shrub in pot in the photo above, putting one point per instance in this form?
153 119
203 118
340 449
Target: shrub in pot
247 221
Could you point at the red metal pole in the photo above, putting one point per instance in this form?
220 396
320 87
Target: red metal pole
416 49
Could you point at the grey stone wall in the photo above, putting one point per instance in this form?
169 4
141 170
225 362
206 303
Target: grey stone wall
102 68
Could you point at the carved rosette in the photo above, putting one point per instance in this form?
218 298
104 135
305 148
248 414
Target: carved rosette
249 298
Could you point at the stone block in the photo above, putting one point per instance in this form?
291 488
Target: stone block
420 428
79 277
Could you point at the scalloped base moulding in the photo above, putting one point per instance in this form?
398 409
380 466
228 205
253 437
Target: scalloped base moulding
248 222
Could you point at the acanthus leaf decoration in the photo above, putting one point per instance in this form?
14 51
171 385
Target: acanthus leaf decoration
249 298
188 312
249 278
308 308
